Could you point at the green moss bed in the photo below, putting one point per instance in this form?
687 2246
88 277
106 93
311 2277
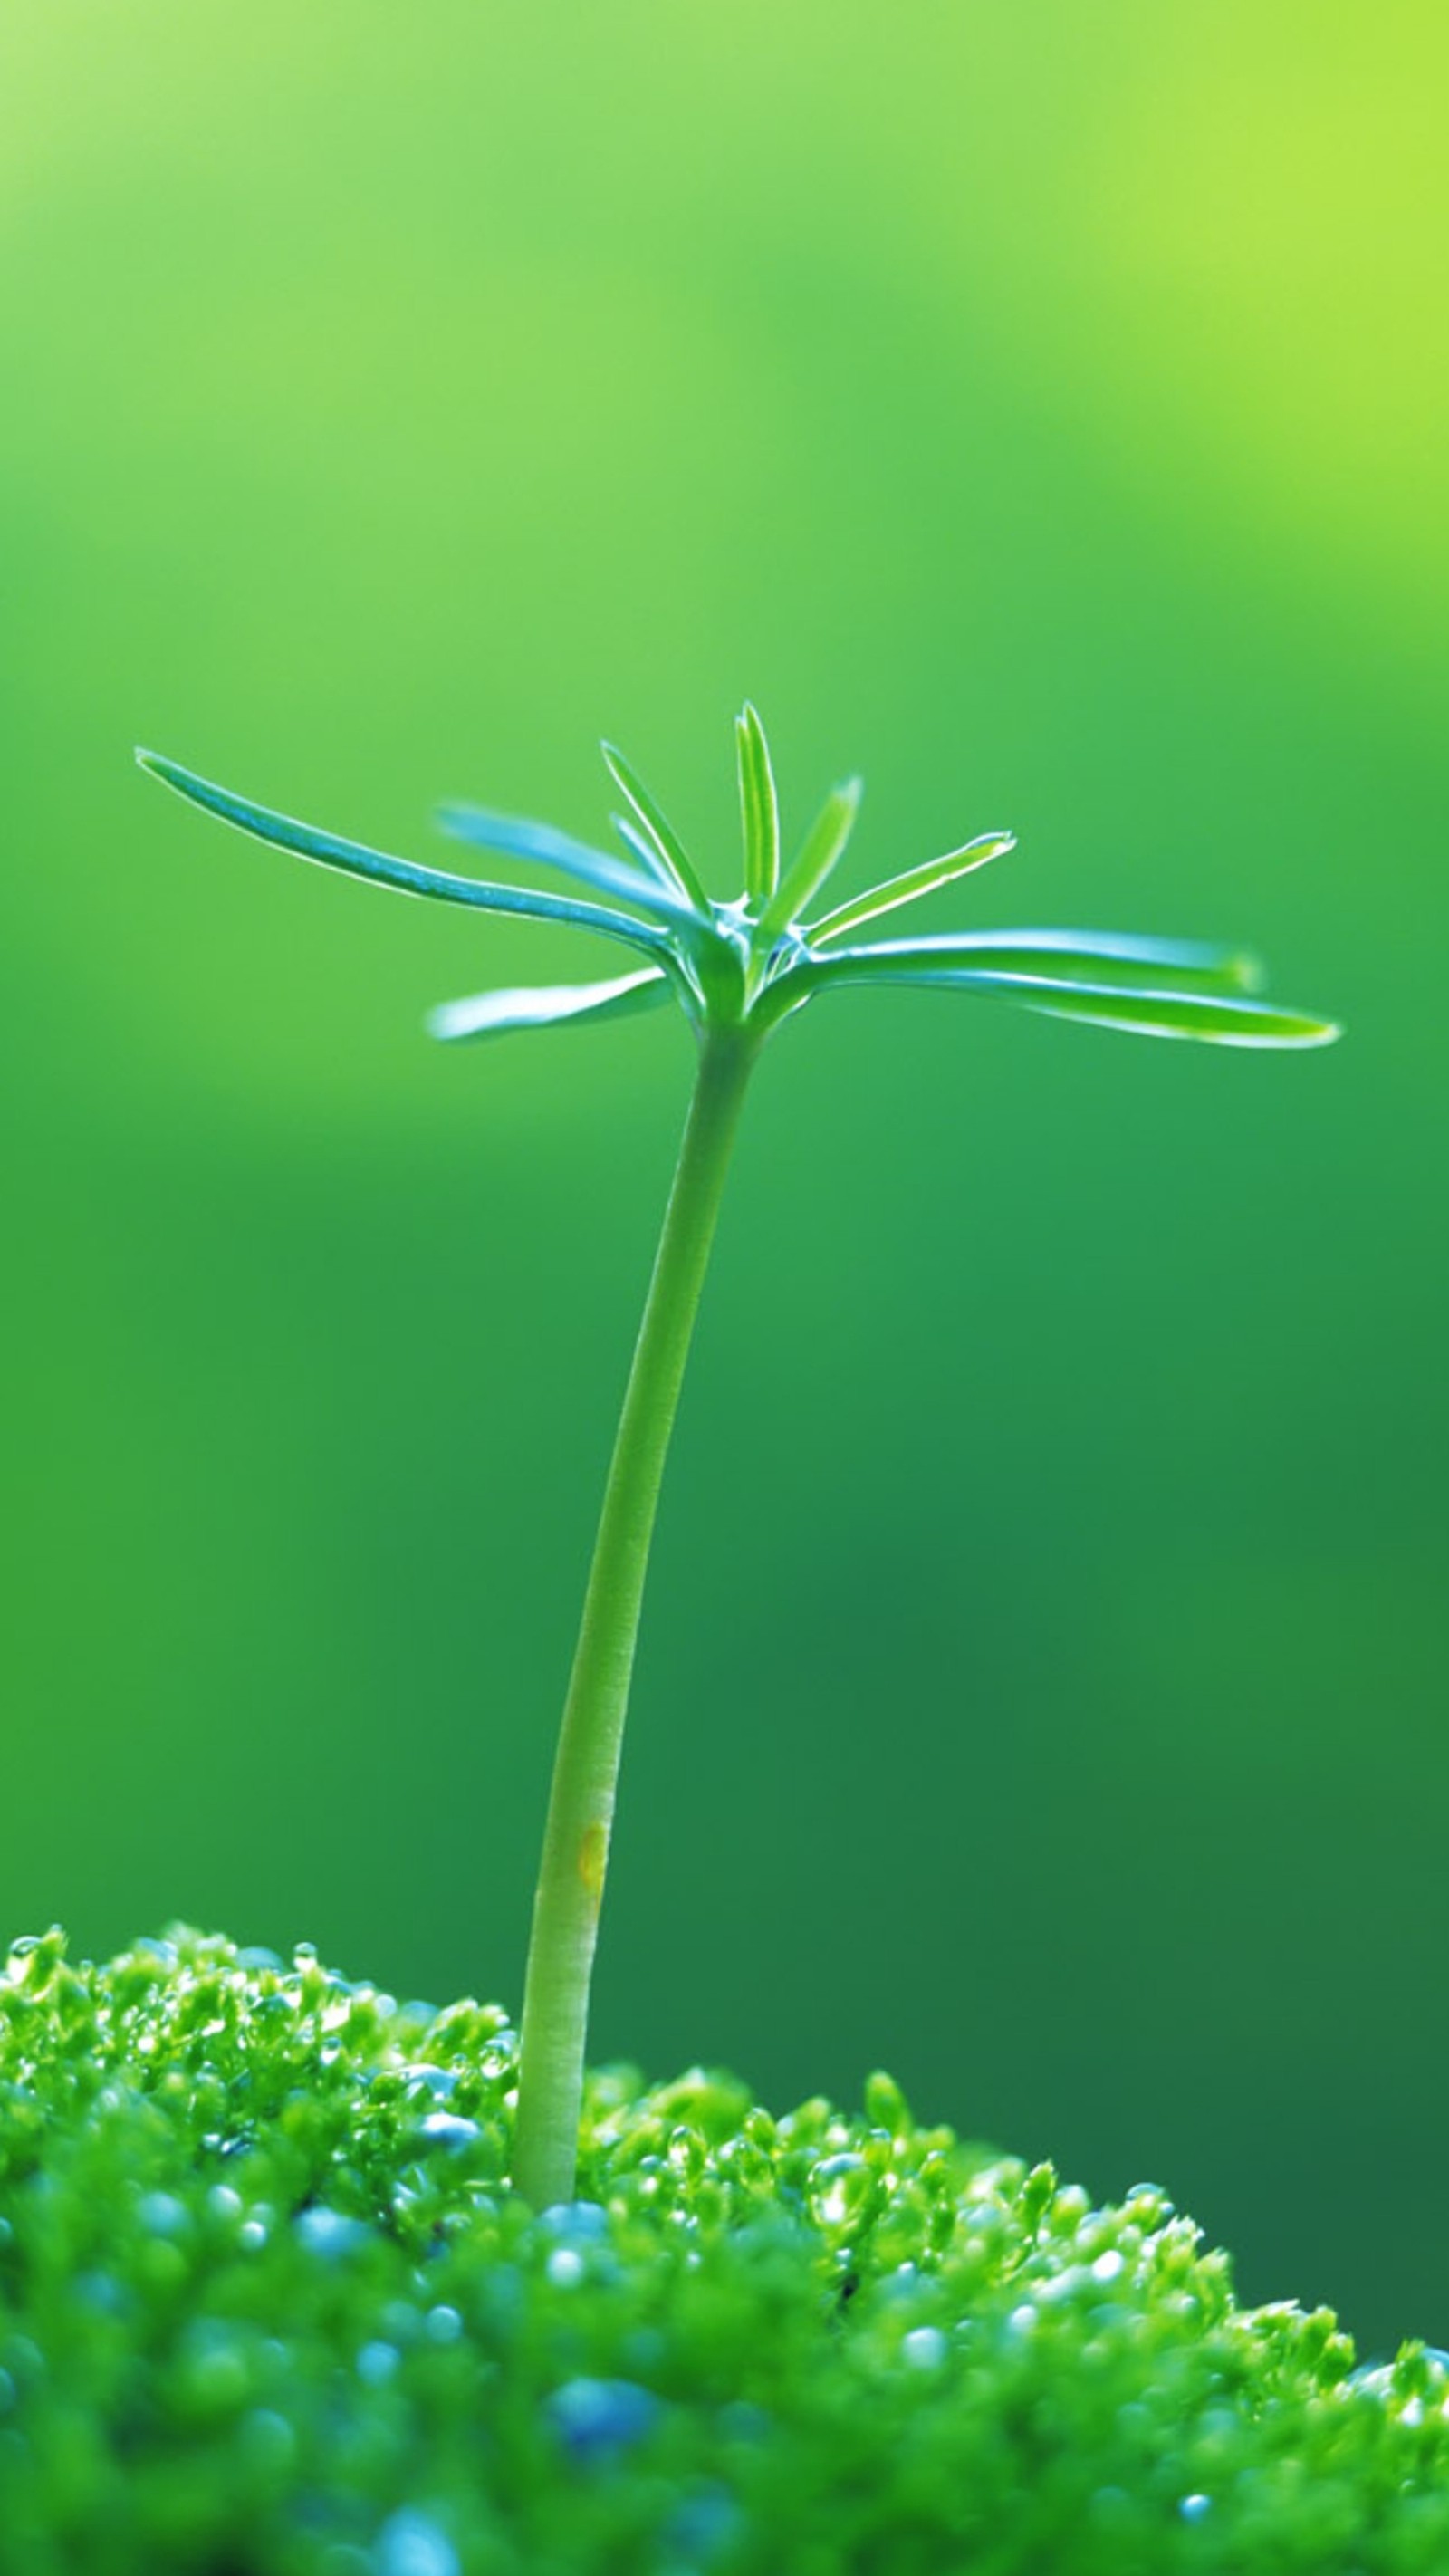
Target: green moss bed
267 2308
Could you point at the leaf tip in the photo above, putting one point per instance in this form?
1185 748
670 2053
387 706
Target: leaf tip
450 1020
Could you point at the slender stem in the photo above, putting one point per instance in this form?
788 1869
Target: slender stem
586 1768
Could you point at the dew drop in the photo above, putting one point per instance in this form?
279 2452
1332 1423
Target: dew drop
440 2081
596 2418
377 2363
161 2213
413 2544
330 2233
575 2222
445 2129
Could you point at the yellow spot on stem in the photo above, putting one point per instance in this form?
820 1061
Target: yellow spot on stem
593 1853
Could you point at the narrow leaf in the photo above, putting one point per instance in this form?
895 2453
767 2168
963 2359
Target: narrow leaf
915 882
516 837
672 861
541 1006
354 859
759 807
1225 1019
1215 1017
1081 956
824 845
638 842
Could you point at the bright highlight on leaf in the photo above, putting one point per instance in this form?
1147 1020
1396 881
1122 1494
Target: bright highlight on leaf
915 882
544 1006
1174 1015
1091 956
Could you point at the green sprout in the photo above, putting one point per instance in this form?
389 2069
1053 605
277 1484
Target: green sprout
736 970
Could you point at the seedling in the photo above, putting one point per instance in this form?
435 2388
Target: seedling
737 970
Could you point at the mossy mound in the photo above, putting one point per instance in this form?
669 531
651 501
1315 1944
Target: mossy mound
267 2308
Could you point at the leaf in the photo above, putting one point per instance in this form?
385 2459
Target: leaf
640 844
541 1006
1084 956
672 861
518 838
1217 1018
354 859
1148 1011
915 882
824 845
759 807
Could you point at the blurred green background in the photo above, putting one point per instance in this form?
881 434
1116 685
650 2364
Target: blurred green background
1041 410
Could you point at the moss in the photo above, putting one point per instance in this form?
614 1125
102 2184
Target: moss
266 2304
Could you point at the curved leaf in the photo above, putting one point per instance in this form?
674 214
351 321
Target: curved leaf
915 882
518 838
823 847
642 848
759 807
1090 956
376 867
672 861
1224 1019
542 1006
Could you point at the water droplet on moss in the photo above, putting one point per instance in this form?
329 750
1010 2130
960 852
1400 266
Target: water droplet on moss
329 2232
411 2543
446 2130
703 2524
423 2077
596 2418
575 2222
162 2214
840 2188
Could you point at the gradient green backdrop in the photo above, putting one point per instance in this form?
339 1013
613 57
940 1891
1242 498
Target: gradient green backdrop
1040 408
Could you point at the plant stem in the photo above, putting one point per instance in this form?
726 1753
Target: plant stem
586 1768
